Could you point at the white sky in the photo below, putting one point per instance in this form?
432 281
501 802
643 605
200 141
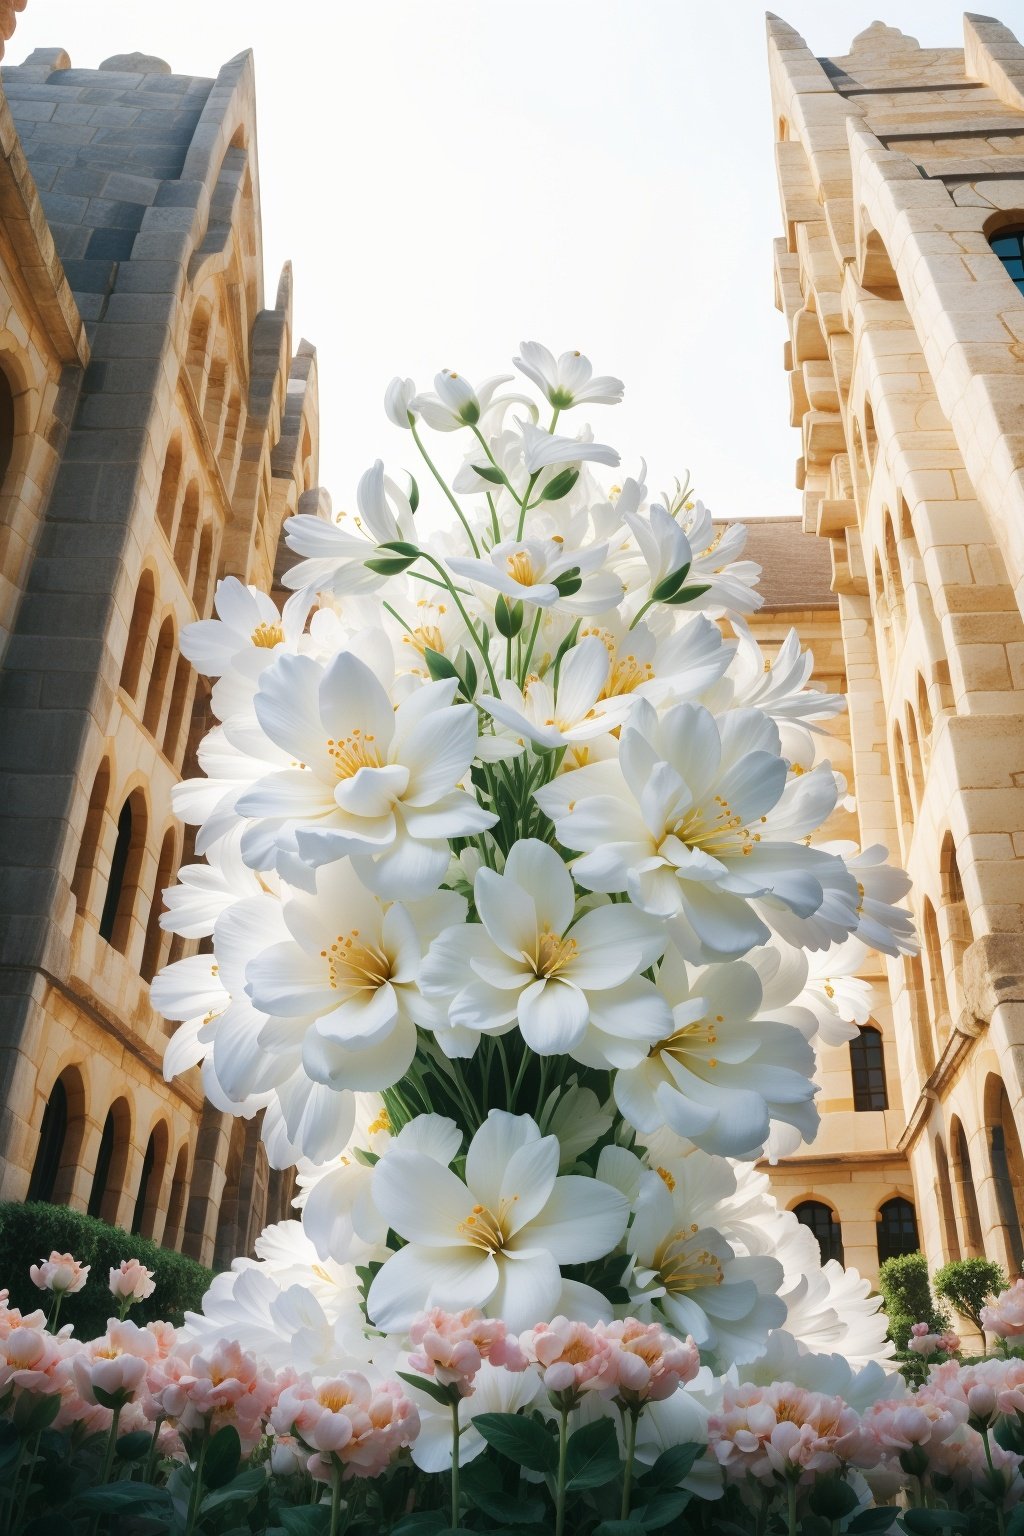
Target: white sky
450 176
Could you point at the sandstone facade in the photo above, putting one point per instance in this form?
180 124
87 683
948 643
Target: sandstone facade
156 427
898 168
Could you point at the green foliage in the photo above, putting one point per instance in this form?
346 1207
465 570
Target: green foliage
967 1284
903 1282
29 1232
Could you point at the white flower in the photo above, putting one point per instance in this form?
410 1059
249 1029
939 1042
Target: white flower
722 1076
456 403
542 449
730 582
247 620
663 544
694 821
568 380
882 924
538 571
574 712
377 783
573 987
495 1241
336 558
351 964
398 402
685 1268
666 668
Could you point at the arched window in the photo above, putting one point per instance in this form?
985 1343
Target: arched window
1008 245
185 538
924 1035
111 1162
198 345
951 1238
904 804
175 714
160 676
963 1177
924 710
148 1160
150 1182
893 569
204 570
51 1144
92 835
1007 1169
154 933
936 970
822 1222
867 1067
125 871
6 425
138 634
896 1229
176 1208
915 755
167 498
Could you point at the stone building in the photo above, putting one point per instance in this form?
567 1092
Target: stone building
155 429
901 277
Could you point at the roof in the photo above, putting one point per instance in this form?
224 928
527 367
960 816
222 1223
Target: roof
101 145
796 566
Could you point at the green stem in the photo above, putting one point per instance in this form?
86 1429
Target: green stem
526 497
641 611
495 525
456 1470
632 1421
335 1500
506 482
444 486
790 1507
524 1063
28 1451
439 568
108 1459
996 1479
150 1467
195 1493
503 1058
524 669
563 1445
51 1321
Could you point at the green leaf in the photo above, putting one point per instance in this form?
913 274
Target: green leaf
493 476
245 1486
390 565
560 485
471 677
816 1525
423 1523
671 1467
414 492
524 1441
592 1458
569 582
439 666
670 585
401 547
1015 1524
688 595
871 1522
134 1447
662 1509
434 1389
223 1455
307 1519
508 617
114 1498
498 1506
32 1413
620 1528
833 1497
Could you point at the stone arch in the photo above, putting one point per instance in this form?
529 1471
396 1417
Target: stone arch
959 933
138 633
216 391
112 1162
935 971
125 871
176 1204
61 1134
154 1163
915 756
896 1227
964 1184
893 569
154 933
947 1211
186 538
875 268
1005 235
924 1034
1007 1168
184 677
166 645
198 346
924 712
904 803
167 496
92 836
204 569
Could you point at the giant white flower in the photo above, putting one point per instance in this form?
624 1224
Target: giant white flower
695 820
457 402
573 712
351 964
721 1076
377 783
572 985
247 620
495 1241
567 380
537 571
665 666
542 450
663 545
337 546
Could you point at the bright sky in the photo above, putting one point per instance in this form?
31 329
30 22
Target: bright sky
450 176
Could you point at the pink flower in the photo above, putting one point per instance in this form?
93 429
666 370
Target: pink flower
131 1281
116 1364
346 1423
1005 1317
60 1273
923 1342
646 1363
571 1357
11 1317
30 1359
206 1391
764 1432
452 1346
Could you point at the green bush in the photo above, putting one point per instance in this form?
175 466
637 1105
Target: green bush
967 1284
903 1282
29 1232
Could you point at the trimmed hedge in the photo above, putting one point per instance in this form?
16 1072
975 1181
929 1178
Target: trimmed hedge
907 1295
29 1232
968 1284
